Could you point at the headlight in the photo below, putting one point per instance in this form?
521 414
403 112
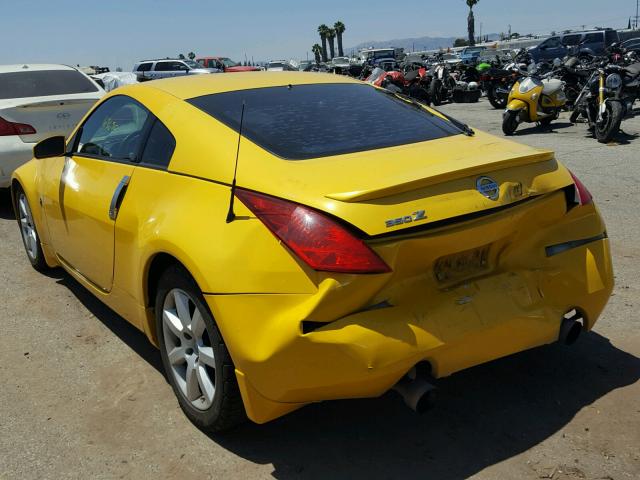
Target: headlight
613 81
527 85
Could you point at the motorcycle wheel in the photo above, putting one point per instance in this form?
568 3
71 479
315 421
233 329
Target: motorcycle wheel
510 122
496 100
610 124
435 92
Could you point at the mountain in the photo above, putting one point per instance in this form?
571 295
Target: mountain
409 44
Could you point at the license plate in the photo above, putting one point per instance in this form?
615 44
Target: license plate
462 265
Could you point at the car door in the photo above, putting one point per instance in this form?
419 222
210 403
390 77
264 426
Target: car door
85 189
164 69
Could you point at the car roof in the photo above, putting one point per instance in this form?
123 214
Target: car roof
24 67
190 86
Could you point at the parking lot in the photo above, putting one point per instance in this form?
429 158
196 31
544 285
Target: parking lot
83 395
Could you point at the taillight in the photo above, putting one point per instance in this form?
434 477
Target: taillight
321 242
583 196
10 128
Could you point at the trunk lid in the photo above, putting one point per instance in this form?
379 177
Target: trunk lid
392 189
50 116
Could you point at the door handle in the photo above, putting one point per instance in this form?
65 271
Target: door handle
118 195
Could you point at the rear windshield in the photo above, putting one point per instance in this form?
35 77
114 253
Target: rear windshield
42 83
309 121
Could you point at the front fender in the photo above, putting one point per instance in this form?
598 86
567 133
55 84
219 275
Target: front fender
516 105
26 176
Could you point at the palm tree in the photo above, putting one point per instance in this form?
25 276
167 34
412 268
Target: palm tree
339 29
323 30
317 52
471 27
191 55
331 35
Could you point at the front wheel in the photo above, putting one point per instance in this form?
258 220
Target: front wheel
609 126
195 357
28 231
435 92
510 122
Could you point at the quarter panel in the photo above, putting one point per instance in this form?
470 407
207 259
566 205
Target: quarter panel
185 217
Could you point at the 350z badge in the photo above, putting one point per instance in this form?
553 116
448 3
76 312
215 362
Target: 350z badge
414 217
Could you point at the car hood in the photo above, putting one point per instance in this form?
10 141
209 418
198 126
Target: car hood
367 189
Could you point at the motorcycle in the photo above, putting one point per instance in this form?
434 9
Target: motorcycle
537 98
497 82
609 94
441 83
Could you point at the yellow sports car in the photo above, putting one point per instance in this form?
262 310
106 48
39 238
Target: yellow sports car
287 238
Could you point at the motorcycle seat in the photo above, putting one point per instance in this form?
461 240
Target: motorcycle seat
551 86
412 75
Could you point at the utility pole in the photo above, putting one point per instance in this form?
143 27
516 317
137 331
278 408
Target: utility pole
509 32
637 3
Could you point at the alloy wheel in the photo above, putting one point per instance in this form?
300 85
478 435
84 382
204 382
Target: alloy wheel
188 346
27 227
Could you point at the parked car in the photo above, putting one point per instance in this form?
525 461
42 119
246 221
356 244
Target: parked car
166 68
593 42
36 102
632 45
305 65
375 55
280 66
225 64
327 271
470 55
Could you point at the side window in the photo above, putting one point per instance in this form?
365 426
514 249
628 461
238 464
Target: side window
611 36
144 67
114 130
571 40
593 38
163 66
159 147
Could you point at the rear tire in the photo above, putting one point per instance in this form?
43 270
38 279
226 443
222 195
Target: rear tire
497 101
195 358
510 122
28 231
610 125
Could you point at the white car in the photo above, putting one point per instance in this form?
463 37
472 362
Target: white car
37 102
280 66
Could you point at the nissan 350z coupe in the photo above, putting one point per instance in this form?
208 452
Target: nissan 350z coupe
344 257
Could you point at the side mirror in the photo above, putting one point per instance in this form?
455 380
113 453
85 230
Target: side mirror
50 147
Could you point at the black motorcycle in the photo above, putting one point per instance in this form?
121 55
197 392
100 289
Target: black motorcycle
609 95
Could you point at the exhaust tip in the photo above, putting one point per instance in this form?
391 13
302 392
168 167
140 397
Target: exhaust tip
418 394
571 327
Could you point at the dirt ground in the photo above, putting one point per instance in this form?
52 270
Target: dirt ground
82 394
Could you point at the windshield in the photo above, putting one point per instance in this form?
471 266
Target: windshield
310 121
192 64
384 54
228 62
42 83
276 65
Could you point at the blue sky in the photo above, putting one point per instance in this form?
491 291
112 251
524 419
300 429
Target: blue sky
118 33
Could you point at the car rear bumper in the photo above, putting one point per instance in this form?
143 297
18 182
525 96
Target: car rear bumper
13 153
283 363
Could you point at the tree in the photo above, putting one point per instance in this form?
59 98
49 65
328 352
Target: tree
181 56
471 23
317 52
323 30
191 55
339 29
331 35
460 42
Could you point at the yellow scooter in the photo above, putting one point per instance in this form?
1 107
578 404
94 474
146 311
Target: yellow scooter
536 98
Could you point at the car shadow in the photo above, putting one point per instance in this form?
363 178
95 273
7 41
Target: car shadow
127 333
483 415
6 207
